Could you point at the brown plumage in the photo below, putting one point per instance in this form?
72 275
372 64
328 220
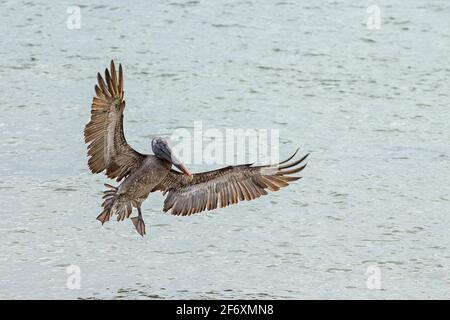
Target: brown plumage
187 194
224 187
108 150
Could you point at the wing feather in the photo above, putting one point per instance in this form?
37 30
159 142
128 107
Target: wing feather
107 147
225 186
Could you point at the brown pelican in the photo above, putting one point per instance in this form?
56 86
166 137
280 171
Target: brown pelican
187 193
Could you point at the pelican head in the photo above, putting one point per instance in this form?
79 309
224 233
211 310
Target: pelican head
162 150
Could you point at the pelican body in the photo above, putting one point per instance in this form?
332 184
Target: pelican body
136 187
142 174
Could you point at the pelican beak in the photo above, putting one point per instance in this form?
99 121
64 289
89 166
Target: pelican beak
185 170
180 165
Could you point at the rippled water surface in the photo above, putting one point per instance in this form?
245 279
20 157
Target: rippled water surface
372 107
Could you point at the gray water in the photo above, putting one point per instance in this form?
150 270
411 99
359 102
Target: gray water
370 105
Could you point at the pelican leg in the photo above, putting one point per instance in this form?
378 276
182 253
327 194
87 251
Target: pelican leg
139 222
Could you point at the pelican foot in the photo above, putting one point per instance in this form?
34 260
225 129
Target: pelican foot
103 217
139 225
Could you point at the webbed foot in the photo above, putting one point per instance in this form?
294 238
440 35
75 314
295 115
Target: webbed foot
104 216
139 225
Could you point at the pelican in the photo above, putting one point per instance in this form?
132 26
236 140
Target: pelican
142 174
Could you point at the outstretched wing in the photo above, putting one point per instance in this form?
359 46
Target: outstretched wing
108 150
225 186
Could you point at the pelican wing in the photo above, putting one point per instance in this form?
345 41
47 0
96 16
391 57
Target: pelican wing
108 150
225 186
